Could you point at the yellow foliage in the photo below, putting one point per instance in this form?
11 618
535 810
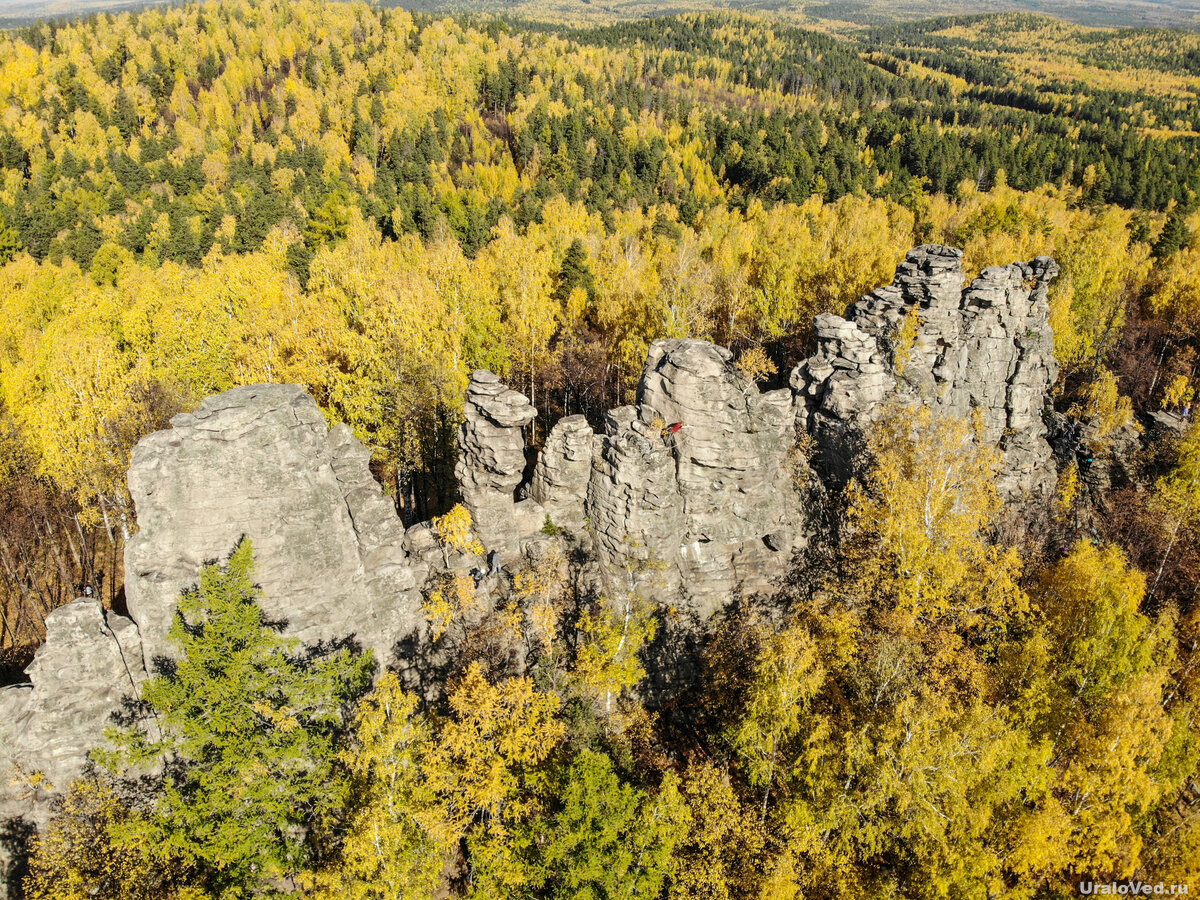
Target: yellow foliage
607 665
906 338
455 534
439 613
1106 711
75 856
755 365
540 591
1068 490
789 674
391 851
1175 293
1102 268
924 511
721 858
1104 407
497 735
1178 392
453 597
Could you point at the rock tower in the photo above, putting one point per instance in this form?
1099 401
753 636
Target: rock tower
926 339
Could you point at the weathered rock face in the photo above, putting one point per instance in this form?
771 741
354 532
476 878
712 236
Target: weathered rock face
564 467
696 477
924 339
491 459
261 462
634 506
90 661
740 507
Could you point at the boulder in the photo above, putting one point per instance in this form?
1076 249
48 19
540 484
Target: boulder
261 462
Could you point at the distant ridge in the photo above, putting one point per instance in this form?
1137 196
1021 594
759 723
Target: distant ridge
834 13
17 13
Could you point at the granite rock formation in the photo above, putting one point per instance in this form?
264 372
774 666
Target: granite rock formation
634 506
688 496
261 462
564 467
91 661
696 478
926 339
491 459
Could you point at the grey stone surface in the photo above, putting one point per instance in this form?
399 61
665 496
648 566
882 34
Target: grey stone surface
695 479
925 339
91 660
564 467
491 459
634 506
261 462
691 515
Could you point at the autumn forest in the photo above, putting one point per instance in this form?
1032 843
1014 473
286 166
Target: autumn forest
372 203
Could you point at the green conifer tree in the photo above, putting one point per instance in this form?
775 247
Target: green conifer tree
249 726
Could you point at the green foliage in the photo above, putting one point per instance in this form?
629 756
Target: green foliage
10 242
611 840
1175 234
247 727
372 203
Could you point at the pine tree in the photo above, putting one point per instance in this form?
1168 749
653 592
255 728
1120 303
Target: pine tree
610 839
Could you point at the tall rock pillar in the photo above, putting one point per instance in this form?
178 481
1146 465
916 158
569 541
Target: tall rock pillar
928 338
564 467
491 458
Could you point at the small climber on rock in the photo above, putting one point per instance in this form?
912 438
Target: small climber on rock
670 434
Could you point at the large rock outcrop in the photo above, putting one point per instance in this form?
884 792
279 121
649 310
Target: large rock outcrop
91 661
258 462
687 496
926 339
491 458
261 462
696 478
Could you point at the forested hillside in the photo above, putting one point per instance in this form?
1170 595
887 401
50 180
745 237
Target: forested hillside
372 203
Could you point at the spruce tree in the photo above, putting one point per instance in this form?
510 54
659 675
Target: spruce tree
247 730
